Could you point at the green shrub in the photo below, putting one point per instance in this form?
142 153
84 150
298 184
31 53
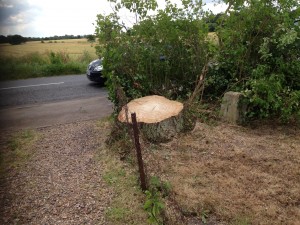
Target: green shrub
259 55
162 54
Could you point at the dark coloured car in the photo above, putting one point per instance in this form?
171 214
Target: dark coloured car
94 72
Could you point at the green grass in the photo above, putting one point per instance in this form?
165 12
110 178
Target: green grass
17 151
117 214
126 206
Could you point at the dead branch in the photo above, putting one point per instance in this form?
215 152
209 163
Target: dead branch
200 84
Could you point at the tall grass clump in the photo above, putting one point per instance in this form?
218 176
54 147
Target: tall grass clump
36 64
85 57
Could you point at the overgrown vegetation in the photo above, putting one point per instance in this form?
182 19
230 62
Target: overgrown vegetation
159 55
257 53
259 56
36 64
254 50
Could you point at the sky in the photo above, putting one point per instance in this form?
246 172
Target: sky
44 18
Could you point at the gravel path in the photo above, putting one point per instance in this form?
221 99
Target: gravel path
61 183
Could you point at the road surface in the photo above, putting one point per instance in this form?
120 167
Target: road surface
41 102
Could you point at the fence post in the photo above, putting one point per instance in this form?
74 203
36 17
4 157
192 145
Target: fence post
138 152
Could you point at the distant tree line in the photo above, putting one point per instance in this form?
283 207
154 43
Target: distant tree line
12 39
18 39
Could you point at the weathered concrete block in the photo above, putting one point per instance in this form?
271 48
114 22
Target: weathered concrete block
233 108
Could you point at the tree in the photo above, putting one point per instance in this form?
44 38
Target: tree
16 39
140 8
3 39
91 38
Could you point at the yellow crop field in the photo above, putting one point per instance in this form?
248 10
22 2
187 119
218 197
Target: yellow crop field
73 47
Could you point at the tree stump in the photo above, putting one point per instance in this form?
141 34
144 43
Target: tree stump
159 119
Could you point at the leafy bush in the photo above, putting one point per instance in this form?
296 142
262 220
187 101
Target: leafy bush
259 55
163 54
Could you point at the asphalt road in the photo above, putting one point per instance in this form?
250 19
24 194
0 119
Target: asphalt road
48 89
43 102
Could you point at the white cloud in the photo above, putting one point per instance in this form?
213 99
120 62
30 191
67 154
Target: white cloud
215 8
41 18
60 17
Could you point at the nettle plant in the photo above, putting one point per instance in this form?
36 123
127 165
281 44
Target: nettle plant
160 54
259 55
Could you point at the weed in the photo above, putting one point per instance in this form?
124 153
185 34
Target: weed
154 207
204 216
154 204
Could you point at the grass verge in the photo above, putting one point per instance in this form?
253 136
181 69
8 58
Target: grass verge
18 151
126 206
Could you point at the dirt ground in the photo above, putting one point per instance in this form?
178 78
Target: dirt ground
65 174
233 175
58 182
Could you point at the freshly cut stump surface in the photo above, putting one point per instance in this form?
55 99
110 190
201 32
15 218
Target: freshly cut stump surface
62 181
160 119
151 109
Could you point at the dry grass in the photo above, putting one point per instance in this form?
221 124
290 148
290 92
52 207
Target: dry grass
235 175
74 47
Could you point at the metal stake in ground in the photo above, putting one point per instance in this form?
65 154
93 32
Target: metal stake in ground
138 152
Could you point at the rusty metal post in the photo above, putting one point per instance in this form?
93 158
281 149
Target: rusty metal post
138 152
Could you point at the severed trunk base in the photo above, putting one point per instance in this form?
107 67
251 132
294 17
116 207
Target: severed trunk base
163 131
159 119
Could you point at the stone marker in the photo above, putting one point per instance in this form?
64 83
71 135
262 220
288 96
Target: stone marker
233 109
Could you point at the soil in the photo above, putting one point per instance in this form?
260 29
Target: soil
61 183
228 174
220 174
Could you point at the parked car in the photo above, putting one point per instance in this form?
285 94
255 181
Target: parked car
94 71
